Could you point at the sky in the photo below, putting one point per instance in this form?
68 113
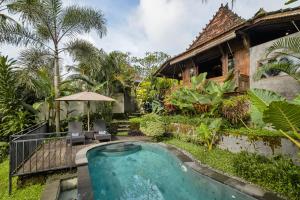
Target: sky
139 26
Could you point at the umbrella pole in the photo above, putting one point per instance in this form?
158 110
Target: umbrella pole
88 115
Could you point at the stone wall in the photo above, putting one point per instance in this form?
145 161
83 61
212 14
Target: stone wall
290 87
267 146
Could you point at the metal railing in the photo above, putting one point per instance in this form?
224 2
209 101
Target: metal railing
20 152
35 150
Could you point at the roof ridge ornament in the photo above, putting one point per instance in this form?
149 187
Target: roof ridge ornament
233 18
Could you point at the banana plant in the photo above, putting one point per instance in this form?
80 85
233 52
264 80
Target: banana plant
208 133
276 110
182 99
285 117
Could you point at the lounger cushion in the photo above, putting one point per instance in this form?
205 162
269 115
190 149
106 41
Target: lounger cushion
75 134
102 132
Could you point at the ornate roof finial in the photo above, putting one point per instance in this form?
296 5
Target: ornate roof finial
260 12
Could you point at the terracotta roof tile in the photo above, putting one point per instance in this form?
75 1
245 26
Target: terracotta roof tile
224 20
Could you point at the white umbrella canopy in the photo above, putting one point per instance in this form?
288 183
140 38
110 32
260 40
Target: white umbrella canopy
86 96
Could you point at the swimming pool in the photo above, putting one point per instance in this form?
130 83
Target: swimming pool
146 171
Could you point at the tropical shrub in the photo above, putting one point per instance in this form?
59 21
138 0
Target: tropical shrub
208 132
277 174
135 123
260 99
182 100
254 132
275 110
135 133
202 96
3 150
235 109
154 129
153 90
153 125
194 120
13 116
43 35
135 127
285 117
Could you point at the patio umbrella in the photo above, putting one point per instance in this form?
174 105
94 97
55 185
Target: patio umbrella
86 96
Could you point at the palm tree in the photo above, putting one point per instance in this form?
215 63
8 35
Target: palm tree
6 22
99 71
286 55
50 26
3 17
35 74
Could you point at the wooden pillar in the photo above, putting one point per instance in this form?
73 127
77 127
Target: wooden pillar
224 60
246 41
186 75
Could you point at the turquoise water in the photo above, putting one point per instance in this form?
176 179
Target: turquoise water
146 171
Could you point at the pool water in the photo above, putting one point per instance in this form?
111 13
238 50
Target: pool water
146 171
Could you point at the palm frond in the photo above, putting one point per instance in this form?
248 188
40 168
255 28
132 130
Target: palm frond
35 57
76 20
290 44
81 49
28 10
282 66
82 78
18 35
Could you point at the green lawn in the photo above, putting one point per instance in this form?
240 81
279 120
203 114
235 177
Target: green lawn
31 191
216 158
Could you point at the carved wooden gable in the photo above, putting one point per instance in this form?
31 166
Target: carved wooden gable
223 21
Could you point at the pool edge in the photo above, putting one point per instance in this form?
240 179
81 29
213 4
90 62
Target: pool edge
226 179
187 159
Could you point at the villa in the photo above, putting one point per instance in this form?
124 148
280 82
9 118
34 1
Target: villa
219 121
231 42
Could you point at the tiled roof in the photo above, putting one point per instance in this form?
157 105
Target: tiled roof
224 20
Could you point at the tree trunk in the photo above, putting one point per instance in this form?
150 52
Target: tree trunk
56 89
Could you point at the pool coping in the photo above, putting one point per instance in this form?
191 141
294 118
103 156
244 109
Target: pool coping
53 186
85 188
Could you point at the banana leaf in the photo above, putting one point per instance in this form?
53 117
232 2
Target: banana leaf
283 116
